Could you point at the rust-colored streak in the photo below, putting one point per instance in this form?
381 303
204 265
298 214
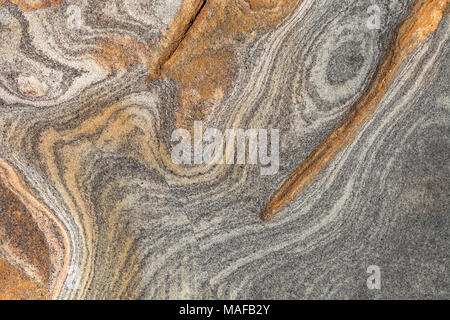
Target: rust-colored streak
169 42
20 236
423 19
198 50
204 64
120 53
16 285
34 245
32 5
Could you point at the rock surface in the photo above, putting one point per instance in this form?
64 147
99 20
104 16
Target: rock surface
92 204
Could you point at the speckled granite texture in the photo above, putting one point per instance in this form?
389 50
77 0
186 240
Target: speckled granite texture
92 205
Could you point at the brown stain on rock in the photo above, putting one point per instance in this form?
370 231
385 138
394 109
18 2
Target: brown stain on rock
170 39
422 20
20 235
32 5
204 64
198 50
120 53
33 243
16 285
21 238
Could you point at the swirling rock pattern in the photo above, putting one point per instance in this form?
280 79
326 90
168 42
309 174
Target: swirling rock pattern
93 207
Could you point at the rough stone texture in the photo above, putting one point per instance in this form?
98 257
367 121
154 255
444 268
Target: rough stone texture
86 117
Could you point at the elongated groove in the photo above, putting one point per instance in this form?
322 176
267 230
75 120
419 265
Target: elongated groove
423 19
175 34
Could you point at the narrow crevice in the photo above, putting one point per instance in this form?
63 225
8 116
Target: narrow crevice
174 46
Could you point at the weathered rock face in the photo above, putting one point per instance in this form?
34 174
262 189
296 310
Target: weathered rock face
24 242
34 247
31 5
92 204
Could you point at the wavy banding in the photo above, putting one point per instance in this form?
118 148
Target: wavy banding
423 20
